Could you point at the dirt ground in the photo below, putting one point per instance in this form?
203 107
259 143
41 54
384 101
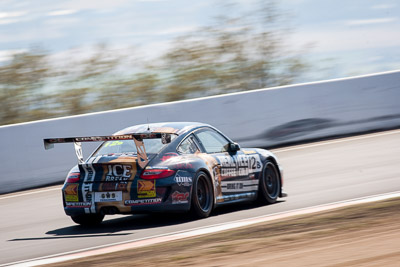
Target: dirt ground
363 235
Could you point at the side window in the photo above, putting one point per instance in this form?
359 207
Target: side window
212 141
188 146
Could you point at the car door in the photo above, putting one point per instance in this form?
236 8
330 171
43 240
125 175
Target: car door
233 170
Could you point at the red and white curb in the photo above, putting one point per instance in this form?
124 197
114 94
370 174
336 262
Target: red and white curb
136 243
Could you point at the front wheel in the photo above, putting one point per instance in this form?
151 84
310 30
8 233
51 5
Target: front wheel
202 196
88 219
270 184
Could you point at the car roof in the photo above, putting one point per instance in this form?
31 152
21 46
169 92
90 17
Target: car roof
178 128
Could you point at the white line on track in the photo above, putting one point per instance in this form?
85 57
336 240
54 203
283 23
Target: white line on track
136 243
348 139
31 193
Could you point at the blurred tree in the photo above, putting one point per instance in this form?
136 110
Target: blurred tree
82 81
134 90
21 81
238 52
100 63
72 102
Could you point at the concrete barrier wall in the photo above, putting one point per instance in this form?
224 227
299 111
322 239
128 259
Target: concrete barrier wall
260 118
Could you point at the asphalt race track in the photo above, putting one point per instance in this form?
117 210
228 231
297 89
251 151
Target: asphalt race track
33 223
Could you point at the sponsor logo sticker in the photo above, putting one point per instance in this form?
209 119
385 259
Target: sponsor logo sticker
78 204
114 186
183 166
249 152
239 186
183 180
71 189
139 202
180 198
107 196
234 186
71 198
146 188
71 193
239 165
118 172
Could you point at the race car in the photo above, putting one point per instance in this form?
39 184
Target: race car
176 166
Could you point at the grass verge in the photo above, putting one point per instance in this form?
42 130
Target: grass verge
324 239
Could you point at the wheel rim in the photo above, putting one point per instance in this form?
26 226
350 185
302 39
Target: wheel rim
203 193
271 183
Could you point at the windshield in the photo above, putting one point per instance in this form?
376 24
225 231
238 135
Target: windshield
153 146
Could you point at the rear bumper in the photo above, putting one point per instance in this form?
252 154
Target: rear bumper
137 196
112 209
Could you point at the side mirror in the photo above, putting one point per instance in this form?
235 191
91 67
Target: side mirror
233 147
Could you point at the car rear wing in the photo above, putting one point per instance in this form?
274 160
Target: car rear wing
137 138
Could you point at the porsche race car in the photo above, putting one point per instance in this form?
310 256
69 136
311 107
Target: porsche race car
176 166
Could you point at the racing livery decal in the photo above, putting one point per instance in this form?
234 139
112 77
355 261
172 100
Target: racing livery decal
239 186
146 188
78 204
180 198
183 178
107 196
138 202
118 172
71 193
239 165
87 187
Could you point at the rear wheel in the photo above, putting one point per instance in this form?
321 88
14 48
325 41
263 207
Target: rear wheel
88 219
270 184
202 196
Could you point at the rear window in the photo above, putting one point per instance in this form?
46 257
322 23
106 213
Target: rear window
152 146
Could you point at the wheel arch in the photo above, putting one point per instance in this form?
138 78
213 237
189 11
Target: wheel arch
275 162
210 177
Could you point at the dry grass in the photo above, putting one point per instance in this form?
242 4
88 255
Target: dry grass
272 243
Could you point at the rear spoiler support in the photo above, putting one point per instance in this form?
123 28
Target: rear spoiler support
137 138
78 151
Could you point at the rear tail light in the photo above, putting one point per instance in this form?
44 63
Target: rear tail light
156 173
73 177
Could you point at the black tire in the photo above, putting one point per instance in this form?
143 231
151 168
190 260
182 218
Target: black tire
88 219
202 196
270 184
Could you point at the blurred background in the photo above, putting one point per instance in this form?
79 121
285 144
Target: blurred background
60 58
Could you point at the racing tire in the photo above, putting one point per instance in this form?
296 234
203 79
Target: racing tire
202 196
270 184
88 219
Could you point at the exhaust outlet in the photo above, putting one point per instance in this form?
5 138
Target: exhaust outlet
109 210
